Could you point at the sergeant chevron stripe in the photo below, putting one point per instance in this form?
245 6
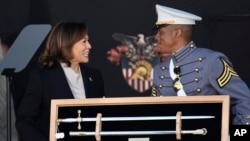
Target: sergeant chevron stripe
154 93
226 75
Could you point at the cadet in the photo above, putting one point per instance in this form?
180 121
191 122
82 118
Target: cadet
195 71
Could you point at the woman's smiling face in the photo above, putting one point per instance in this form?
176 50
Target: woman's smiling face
80 51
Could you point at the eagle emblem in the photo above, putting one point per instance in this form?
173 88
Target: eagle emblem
137 57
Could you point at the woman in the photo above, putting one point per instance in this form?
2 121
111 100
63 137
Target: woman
62 75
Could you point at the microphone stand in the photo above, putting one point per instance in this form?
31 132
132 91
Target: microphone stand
8 73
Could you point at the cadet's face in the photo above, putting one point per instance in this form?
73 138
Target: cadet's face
166 38
81 51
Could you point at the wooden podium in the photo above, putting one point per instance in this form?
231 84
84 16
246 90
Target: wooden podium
141 119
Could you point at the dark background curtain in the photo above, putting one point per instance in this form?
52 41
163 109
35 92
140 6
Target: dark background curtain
225 27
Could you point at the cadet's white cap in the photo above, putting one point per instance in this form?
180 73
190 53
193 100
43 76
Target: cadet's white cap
167 15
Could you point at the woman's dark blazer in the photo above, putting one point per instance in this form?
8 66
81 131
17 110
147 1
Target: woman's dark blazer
45 84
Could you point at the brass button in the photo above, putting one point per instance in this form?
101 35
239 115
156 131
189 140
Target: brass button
196 69
163 67
196 80
198 90
162 77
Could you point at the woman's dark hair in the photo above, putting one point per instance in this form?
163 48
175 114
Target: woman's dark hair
60 41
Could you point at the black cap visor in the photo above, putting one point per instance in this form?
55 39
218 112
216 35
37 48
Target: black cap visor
156 27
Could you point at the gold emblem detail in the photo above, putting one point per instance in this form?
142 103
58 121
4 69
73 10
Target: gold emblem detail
227 74
165 22
177 84
142 70
154 93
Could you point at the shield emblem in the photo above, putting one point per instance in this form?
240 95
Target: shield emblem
137 59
